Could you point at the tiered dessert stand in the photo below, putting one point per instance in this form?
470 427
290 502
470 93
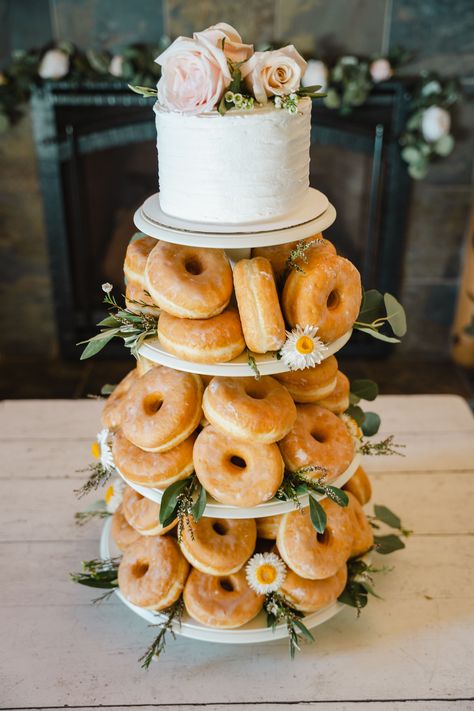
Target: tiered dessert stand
316 215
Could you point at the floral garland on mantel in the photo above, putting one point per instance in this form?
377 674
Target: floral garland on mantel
348 82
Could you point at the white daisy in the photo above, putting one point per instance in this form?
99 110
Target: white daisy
265 572
113 495
302 348
102 450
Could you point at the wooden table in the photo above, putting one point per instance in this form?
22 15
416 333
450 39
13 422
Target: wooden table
416 644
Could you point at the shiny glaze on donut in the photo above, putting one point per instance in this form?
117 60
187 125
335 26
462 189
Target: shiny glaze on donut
311 595
363 536
143 514
138 251
338 400
122 533
311 384
112 411
359 485
219 546
278 254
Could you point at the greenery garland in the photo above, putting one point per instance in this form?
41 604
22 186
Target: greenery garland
348 83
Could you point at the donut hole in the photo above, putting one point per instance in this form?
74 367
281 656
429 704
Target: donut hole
193 266
220 527
152 403
255 394
140 568
238 461
318 436
323 538
333 300
226 584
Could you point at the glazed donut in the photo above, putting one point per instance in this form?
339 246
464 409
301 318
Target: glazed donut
267 527
139 301
327 294
363 536
235 472
337 401
144 365
221 601
214 340
162 408
311 384
359 485
142 514
219 546
112 411
122 533
311 595
153 469
152 572
313 555
259 307
188 282
136 256
249 409
318 439
278 254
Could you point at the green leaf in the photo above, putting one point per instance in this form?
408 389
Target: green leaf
109 321
372 306
444 145
96 344
311 89
304 630
354 595
146 91
410 154
199 505
370 589
356 413
170 499
376 334
371 424
364 389
318 514
395 315
234 85
386 516
417 171
388 544
107 389
337 495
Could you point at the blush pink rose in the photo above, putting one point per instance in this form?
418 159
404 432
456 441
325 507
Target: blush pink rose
234 49
194 76
275 73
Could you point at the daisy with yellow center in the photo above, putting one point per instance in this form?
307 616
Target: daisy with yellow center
265 572
102 451
302 348
113 495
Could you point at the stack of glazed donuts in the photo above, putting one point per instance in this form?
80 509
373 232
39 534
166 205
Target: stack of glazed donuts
236 434
210 312
207 566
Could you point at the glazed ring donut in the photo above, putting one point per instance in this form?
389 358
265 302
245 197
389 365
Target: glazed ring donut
278 254
359 485
318 438
363 536
338 401
188 282
122 533
235 472
221 601
144 365
219 546
259 306
327 294
313 555
152 572
136 256
213 340
162 409
312 595
153 469
311 384
112 411
267 527
139 301
249 409
142 514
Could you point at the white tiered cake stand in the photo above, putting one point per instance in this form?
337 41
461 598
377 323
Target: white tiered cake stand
314 216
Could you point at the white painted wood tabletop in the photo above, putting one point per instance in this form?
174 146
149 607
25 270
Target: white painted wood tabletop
412 650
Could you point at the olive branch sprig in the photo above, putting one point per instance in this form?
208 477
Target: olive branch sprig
172 615
183 500
279 610
98 573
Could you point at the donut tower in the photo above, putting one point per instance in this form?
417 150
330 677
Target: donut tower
240 491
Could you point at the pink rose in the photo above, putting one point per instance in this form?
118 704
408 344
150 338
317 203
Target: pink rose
233 48
275 73
194 76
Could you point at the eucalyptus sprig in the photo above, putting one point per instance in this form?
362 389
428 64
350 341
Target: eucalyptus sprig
364 389
279 610
359 583
378 310
386 447
97 510
99 475
98 573
388 543
182 500
252 364
172 615
299 253
123 323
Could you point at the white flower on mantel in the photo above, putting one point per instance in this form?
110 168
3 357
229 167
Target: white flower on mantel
54 64
116 65
435 123
316 74
380 70
302 348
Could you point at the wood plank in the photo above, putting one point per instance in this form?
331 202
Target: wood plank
424 705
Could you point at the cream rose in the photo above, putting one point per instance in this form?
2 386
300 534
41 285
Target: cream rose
194 76
435 123
234 49
380 70
54 64
116 65
274 73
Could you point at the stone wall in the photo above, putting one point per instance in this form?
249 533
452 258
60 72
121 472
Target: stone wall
441 36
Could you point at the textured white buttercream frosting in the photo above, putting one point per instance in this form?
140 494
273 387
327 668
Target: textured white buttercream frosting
245 166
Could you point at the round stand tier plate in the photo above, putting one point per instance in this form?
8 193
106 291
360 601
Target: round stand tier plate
311 219
253 632
275 507
267 363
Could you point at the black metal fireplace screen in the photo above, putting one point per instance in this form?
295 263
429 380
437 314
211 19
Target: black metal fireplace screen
97 163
